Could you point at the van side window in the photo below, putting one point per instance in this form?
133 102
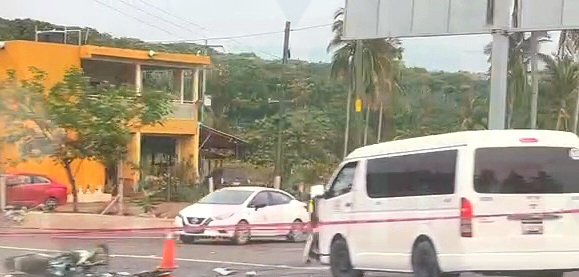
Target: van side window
412 175
343 182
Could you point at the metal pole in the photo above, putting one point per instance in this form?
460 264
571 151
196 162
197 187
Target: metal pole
211 185
278 167
534 79
359 90
286 42
499 65
121 187
576 113
280 133
348 112
3 193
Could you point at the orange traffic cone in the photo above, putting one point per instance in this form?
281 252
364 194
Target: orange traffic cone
168 260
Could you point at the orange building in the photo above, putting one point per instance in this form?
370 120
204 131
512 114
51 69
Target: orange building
179 134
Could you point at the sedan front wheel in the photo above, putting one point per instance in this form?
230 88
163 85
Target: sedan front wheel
242 233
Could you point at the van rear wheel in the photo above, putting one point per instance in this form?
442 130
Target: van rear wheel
425 262
340 264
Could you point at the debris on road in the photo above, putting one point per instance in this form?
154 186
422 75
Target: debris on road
61 264
223 271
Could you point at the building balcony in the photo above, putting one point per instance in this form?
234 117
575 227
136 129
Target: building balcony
183 111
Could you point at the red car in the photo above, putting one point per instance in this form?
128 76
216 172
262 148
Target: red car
31 190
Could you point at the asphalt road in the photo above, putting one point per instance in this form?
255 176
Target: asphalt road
275 259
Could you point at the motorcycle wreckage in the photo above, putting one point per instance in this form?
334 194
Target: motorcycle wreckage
75 263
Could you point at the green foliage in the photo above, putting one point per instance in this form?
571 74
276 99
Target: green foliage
167 188
23 29
306 136
77 120
404 102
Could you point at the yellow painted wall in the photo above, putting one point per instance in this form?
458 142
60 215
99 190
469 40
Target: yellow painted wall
188 148
55 59
172 127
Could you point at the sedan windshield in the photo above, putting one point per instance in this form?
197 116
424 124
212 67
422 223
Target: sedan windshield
226 197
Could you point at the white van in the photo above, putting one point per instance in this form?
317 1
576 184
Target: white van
492 202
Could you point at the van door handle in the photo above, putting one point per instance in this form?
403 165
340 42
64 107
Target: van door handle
348 204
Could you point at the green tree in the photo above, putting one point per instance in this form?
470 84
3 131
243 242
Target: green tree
380 59
77 121
562 80
307 134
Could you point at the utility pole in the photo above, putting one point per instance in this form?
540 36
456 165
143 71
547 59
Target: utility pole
499 64
534 78
279 153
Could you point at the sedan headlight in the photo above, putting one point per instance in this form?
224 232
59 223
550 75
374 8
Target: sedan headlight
224 216
179 222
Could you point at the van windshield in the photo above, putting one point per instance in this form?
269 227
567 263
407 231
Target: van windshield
525 170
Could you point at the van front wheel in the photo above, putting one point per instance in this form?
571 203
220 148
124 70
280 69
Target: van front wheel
340 264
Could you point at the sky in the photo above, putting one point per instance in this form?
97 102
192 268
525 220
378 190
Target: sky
170 20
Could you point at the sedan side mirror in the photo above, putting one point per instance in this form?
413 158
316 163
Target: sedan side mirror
259 206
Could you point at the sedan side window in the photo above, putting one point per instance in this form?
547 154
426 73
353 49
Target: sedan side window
278 198
40 180
260 199
342 184
18 180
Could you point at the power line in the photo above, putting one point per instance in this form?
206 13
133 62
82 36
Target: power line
248 35
156 16
135 18
311 27
203 28
173 15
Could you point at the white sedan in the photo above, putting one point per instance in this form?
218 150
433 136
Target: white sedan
243 213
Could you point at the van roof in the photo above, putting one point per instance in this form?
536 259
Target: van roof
483 137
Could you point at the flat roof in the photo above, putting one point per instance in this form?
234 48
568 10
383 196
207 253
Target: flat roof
92 52
482 138
149 57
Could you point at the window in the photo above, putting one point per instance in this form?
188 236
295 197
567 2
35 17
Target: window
226 197
343 182
18 180
524 170
412 175
278 198
40 180
261 198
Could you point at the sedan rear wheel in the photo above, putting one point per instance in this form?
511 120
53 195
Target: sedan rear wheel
296 232
50 204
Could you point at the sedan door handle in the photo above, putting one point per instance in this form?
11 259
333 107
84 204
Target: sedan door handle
348 204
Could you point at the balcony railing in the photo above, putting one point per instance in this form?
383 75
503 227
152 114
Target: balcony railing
187 110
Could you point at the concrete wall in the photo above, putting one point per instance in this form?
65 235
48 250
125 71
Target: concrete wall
39 220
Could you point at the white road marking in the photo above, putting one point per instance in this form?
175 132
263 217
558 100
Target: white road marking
103 237
153 257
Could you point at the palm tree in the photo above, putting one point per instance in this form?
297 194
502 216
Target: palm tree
519 61
379 60
569 45
562 78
